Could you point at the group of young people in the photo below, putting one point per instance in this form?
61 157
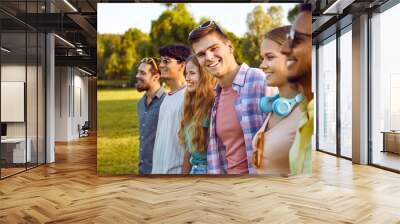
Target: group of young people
220 117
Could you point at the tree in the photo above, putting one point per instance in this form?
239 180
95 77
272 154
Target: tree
259 22
119 55
112 67
130 44
100 58
107 44
293 13
237 43
172 26
276 13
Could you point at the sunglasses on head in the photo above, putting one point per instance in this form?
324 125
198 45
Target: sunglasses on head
205 25
294 35
150 61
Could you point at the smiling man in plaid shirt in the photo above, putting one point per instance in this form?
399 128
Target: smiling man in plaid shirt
235 115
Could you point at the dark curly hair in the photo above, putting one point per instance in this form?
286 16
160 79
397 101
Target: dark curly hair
178 51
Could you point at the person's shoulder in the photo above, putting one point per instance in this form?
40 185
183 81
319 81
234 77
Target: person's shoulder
141 100
253 73
181 93
140 104
161 93
162 97
255 76
256 73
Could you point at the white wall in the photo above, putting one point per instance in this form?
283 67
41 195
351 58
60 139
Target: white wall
12 100
33 126
80 110
13 73
62 80
71 94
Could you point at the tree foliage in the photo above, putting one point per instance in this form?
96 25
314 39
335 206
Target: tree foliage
118 55
259 21
293 13
172 26
107 44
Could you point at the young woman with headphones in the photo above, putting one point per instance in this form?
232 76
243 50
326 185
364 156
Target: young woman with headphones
272 143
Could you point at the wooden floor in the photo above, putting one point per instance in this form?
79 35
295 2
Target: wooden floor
70 191
10 171
387 159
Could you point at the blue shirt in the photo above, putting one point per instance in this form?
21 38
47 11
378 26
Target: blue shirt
148 119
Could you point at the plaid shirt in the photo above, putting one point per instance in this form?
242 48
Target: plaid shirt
250 84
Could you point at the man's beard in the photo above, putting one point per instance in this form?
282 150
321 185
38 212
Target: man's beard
142 87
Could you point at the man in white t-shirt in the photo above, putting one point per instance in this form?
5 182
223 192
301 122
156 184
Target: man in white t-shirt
168 153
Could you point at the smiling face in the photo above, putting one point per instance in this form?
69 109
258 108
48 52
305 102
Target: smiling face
170 68
192 75
214 54
298 52
273 63
145 79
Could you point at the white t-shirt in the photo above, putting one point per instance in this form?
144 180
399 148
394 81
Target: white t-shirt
168 152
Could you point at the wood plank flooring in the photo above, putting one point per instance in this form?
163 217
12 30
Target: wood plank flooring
10 171
387 159
69 191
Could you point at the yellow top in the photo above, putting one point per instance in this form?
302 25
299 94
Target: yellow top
300 152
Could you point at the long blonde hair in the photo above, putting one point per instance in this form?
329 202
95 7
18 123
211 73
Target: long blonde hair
196 108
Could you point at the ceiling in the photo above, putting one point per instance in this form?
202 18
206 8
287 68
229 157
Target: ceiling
74 22
331 15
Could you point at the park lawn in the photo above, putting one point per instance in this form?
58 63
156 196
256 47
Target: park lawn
117 134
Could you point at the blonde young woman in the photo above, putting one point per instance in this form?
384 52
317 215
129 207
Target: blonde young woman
273 141
193 133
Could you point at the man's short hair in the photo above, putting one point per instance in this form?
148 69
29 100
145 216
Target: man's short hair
204 29
179 52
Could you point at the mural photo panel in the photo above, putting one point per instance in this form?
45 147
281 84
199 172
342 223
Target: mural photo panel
204 89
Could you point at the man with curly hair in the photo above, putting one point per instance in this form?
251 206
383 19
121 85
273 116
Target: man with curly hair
168 152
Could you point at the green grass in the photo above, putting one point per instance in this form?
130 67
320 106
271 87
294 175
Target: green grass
117 134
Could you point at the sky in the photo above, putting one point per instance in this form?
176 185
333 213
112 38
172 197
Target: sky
119 17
